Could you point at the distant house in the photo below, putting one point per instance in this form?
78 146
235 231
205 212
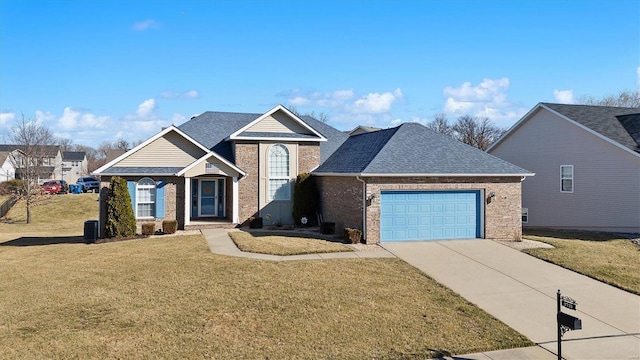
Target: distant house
7 168
587 165
361 129
47 159
74 165
401 184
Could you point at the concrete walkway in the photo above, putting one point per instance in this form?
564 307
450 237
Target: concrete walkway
220 243
520 290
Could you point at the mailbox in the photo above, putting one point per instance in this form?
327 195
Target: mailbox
572 322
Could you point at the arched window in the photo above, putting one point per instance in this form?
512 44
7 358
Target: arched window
279 179
145 198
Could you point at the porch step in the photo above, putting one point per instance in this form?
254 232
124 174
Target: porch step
213 225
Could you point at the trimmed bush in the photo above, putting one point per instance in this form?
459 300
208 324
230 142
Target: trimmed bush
305 199
148 228
169 226
352 236
120 220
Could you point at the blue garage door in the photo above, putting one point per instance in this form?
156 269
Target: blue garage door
429 215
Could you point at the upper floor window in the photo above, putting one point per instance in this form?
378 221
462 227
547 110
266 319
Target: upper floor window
566 178
145 198
279 178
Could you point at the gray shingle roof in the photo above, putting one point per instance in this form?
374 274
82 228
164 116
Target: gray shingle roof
412 149
605 120
73 155
131 170
212 128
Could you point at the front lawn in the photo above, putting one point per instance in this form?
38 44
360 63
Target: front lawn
52 216
169 297
602 256
283 245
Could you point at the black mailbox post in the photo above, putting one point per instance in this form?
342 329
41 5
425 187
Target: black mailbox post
565 321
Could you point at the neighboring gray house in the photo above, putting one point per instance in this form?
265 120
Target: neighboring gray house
74 165
587 165
404 183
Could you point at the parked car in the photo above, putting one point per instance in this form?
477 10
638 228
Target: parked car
89 184
55 187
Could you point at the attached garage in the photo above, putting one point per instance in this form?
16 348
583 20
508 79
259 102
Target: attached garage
430 215
409 184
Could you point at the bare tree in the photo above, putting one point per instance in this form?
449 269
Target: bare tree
626 98
321 116
65 144
33 141
440 124
476 131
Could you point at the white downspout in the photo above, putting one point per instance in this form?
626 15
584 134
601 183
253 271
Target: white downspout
364 208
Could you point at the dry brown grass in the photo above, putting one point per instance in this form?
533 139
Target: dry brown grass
602 256
283 245
171 298
53 216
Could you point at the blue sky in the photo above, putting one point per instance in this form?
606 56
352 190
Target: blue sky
96 71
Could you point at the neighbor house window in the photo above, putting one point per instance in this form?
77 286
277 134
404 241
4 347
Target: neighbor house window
525 215
145 198
566 178
279 173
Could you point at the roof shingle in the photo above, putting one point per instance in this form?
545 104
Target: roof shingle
413 149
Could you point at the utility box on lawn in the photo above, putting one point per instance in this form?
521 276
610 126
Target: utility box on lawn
91 231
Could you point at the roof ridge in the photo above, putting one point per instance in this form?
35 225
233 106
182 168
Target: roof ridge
595 106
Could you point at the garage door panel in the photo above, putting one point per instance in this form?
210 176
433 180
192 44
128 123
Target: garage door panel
429 215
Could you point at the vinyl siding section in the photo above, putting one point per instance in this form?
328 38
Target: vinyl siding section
170 150
606 194
278 122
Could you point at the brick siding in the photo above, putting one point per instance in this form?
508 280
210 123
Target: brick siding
308 157
341 199
247 159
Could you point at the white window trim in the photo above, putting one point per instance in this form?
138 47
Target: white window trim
525 215
153 188
283 177
572 178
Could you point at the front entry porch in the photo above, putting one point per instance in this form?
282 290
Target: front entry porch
210 202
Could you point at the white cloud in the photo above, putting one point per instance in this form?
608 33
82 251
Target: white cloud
74 120
145 25
487 99
69 119
7 117
146 108
563 96
299 101
191 94
487 90
375 103
178 119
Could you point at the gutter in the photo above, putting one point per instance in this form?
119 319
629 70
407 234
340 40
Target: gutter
364 208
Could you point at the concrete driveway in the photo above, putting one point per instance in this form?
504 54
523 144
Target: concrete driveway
520 290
